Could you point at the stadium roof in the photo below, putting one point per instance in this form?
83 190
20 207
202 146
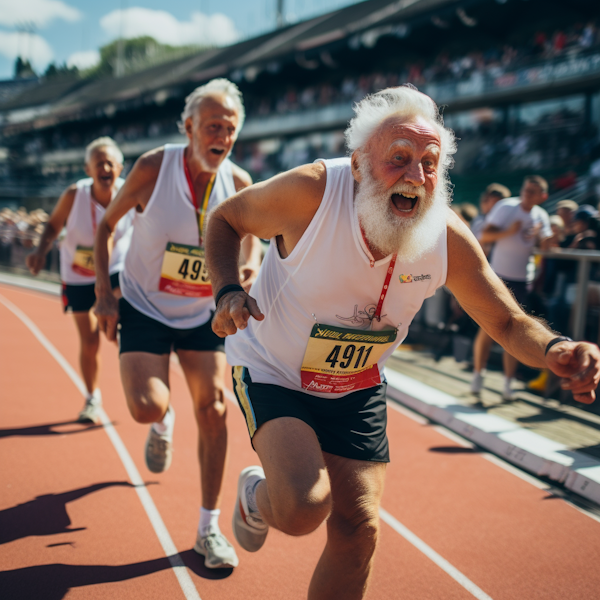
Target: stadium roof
65 98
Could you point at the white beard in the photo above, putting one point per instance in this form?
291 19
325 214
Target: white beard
409 237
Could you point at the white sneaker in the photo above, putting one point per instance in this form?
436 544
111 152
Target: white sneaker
248 527
91 411
476 384
218 552
159 448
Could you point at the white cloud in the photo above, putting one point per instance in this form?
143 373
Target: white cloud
201 29
30 46
36 12
84 59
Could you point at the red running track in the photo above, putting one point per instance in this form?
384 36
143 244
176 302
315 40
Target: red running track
72 524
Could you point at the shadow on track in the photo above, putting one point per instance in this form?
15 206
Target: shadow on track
53 582
47 429
454 450
45 515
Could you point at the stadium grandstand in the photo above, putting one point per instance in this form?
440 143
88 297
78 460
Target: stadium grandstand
519 81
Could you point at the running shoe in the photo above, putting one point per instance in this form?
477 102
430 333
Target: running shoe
91 411
159 450
248 527
218 552
476 384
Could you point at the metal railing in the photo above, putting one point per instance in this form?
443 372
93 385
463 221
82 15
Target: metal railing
584 258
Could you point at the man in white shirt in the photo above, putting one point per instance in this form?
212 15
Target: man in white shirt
515 226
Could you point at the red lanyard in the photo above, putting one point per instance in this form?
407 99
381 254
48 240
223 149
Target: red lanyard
93 209
201 212
386 283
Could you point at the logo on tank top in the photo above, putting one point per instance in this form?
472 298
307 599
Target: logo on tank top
411 278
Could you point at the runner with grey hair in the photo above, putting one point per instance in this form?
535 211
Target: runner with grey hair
167 296
80 208
357 244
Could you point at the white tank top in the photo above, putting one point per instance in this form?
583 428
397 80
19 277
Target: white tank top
84 218
169 216
328 279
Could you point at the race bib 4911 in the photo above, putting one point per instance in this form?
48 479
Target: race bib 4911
340 360
183 271
83 261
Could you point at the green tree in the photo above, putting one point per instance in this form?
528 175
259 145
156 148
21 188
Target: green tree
23 68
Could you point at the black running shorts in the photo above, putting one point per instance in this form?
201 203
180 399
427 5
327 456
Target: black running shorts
353 426
81 298
140 333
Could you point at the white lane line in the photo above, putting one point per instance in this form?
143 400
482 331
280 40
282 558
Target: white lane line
430 553
179 568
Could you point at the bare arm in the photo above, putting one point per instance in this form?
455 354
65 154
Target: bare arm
36 260
282 208
491 233
135 193
251 247
487 300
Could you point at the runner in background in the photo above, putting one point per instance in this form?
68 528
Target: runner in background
167 299
81 208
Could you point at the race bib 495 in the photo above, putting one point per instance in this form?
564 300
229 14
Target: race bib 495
183 271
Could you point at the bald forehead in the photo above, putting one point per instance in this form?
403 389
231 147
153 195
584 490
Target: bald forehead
400 129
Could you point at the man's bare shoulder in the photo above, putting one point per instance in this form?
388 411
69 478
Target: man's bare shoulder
149 163
309 180
70 191
241 178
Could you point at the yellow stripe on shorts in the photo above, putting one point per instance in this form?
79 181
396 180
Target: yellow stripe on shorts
241 390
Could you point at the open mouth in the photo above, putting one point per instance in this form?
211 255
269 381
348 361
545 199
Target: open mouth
106 178
217 151
404 202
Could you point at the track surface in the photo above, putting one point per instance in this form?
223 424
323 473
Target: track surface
71 523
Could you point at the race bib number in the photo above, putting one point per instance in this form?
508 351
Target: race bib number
339 360
83 262
183 271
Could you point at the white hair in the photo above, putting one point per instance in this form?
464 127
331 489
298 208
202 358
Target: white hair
403 101
103 142
214 86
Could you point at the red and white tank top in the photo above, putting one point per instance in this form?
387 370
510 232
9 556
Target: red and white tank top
319 335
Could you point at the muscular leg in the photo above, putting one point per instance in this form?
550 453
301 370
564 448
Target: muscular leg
205 375
295 497
352 529
481 350
145 380
89 357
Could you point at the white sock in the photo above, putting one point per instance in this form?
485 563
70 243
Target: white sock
166 424
508 384
209 521
95 397
477 381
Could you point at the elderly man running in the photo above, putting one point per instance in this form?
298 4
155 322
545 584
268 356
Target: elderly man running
80 208
357 244
167 297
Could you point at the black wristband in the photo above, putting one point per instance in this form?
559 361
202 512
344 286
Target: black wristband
556 340
233 287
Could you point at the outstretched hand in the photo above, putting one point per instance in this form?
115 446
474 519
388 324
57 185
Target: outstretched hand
233 312
578 363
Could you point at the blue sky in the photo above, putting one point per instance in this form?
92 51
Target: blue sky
72 30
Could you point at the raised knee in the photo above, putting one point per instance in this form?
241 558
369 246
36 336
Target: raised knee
302 515
144 412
